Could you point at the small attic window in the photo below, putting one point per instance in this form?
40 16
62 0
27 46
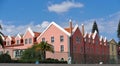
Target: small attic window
77 39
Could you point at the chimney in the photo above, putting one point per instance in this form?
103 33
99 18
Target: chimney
83 30
70 25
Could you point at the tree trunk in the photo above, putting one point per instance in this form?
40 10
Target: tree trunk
44 53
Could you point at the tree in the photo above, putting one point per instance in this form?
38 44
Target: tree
1 40
5 58
37 51
43 47
118 32
95 27
31 54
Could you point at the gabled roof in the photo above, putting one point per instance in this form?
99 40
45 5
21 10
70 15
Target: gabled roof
113 41
85 34
30 30
101 38
68 29
9 37
53 23
13 38
75 28
90 34
36 34
2 37
94 34
105 39
18 35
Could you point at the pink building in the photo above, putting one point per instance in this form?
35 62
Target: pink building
59 38
16 45
67 43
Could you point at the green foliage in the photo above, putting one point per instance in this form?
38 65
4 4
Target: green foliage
37 51
95 27
1 40
43 47
31 54
49 60
118 31
5 58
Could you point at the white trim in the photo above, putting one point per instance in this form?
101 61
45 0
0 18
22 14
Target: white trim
95 33
18 35
53 23
85 34
101 38
9 37
75 28
30 30
68 38
105 39
2 37
90 34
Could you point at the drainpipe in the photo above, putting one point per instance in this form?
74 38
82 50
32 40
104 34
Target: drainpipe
71 44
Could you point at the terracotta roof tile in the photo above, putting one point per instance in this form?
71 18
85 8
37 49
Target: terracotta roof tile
37 34
68 29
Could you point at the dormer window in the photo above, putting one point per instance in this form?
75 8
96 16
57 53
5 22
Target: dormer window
26 41
8 43
30 40
18 41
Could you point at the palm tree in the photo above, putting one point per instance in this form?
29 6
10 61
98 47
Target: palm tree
43 47
1 40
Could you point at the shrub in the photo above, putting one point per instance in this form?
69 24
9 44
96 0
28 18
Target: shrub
47 61
5 58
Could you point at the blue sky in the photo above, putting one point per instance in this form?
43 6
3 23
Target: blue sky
17 15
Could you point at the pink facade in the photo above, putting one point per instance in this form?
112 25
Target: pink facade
56 31
68 42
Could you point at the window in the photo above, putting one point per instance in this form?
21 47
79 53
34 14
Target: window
17 53
43 39
96 42
52 39
18 41
8 43
112 47
77 39
26 41
62 48
30 40
21 51
61 38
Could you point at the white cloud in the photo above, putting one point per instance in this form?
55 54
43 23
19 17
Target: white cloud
107 26
64 6
14 30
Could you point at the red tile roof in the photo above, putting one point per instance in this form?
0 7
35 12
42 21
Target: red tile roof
37 34
68 29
